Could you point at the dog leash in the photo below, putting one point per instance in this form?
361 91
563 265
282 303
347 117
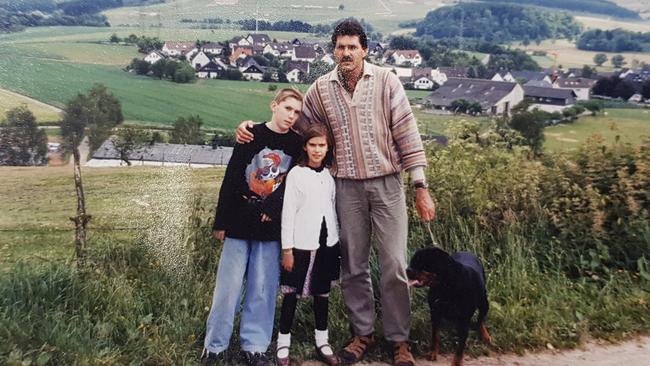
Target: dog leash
431 236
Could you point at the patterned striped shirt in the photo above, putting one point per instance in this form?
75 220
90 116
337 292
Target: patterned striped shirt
375 132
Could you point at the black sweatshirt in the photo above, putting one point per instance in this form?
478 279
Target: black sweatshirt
254 184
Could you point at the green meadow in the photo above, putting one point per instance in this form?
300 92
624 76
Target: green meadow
616 125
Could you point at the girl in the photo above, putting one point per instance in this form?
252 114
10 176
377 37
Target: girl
310 249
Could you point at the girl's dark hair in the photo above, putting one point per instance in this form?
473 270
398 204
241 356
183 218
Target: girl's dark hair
350 27
316 131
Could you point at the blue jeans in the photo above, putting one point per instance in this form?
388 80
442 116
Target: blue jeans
256 262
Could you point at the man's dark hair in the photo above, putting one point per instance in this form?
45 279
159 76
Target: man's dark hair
350 27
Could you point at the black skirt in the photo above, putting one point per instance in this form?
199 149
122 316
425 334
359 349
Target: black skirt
313 270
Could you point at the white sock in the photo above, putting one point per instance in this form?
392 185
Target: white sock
284 340
321 337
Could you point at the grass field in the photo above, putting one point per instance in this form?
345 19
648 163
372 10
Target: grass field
37 203
384 15
608 23
42 112
629 125
569 56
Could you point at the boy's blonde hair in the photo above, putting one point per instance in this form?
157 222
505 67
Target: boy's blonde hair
287 93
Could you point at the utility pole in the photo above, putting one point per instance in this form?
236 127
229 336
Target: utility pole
462 25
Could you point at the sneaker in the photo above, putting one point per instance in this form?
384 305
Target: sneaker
402 355
255 359
356 349
210 358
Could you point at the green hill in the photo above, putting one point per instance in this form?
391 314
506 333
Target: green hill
600 7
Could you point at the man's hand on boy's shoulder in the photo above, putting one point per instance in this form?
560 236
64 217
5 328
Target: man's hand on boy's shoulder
219 235
243 134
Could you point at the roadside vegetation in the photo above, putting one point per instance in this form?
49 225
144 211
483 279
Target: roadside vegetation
564 238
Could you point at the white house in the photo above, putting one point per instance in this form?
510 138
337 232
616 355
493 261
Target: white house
326 58
438 77
297 70
283 50
199 60
253 72
213 48
549 99
258 39
239 41
494 97
422 79
304 53
504 76
581 86
212 70
402 57
176 49
153 57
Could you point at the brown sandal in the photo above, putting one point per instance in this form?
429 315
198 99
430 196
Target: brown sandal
356 349
402 355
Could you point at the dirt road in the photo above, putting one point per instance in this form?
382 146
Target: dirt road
634 352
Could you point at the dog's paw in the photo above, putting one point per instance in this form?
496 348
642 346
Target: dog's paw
433 356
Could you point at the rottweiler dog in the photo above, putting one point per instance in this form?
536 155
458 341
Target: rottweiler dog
456 290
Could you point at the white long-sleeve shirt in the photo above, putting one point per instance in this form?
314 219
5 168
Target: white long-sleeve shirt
309 196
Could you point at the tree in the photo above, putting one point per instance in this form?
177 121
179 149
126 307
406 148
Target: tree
588 72
158 68
600 59
618 61
114 38
403 43
341 7
22 143
531 126
645 89
129 139
98 111
141 67
188 131
184 73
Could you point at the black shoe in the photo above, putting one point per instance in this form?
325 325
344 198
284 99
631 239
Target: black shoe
255 359
210 358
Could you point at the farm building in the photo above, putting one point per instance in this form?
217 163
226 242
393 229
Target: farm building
159 154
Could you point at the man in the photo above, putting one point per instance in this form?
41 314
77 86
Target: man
375 137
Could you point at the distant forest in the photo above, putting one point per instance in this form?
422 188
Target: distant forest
589 6
615 40
497 23
16 15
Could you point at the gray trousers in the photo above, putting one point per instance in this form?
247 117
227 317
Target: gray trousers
374 209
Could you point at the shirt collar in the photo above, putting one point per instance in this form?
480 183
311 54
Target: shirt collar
367 71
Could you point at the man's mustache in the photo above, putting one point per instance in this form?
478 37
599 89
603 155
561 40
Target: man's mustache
346 59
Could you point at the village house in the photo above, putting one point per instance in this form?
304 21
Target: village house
403 57
160 154
258 39
495 97
549 99
453 72
239 41
199 60
375 49
154 56
240 52
213 49
297 70
327 58
304 53
503 76
526 76
254 72
581 86
214 69
282 50
422 79
178 48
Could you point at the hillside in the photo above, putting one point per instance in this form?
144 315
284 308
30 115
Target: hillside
602 7
498 23
384 15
